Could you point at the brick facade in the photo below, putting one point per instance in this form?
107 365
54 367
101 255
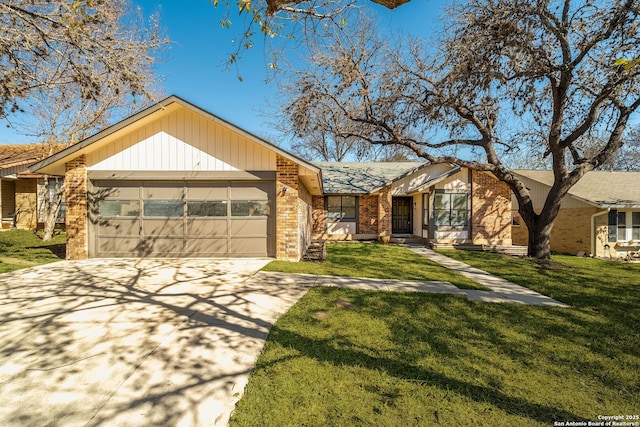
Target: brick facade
75 180
305 218
571 231
368 214
384 212
490 210
287 227
319 216
26 203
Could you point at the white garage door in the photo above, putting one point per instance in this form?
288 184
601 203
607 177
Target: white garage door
179 219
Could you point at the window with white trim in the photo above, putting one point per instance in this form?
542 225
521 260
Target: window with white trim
623 226
451 209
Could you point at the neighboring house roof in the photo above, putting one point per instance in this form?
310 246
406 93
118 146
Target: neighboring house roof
16 158
362 178
604 189
19 156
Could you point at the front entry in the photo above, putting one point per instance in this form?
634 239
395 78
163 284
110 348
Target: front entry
401 215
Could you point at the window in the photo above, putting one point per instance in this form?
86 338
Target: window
612 229
164 208
450 209
207 208
635 225
622 226
119 208
341 208
425 210
250 208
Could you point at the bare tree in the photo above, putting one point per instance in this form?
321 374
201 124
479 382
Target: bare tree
541 74
69 68
93 45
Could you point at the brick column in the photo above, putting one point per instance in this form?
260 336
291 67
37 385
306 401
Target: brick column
75 180
384 212
319 216
287 230
368 214
491 210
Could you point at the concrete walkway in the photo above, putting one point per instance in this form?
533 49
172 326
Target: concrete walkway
501 290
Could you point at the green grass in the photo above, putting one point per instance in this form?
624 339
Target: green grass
22 249
417 359
375 261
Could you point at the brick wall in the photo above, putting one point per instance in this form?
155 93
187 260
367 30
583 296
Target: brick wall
75 179
519 233
490 210
319 216
305 218
287 228
368 214
384 212
27 203
571 231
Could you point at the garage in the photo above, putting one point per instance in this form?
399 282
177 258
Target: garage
181 218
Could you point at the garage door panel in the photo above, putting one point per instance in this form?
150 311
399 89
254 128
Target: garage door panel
118 245
162 227
204 191
162 191
207 227
250 191
248 227
163 246
248 246
119 227
116 190
207 246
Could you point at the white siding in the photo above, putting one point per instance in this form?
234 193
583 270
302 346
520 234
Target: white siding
456 183
182 141
415 180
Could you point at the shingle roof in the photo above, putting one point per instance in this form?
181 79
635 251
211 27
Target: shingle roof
362 178
21 154
605 189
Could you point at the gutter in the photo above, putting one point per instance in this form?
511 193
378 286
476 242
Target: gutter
593 229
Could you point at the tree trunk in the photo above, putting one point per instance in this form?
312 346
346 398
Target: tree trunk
539 242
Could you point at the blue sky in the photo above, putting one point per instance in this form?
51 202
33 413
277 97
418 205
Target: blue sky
192 67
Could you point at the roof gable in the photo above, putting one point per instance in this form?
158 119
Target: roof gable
55 164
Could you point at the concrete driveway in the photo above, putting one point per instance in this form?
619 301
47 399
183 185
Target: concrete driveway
166 342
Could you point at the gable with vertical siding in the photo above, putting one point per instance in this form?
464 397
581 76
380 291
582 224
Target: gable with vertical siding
182 140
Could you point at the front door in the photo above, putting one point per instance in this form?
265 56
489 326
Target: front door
401 215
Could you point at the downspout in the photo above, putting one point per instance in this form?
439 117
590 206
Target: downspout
593 229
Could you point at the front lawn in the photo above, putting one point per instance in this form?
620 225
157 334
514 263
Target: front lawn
375 261
22 249
417 359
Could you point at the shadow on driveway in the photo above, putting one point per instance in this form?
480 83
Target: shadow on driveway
132 341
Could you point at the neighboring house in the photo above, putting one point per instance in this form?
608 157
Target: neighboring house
22 193
175 180
599 216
